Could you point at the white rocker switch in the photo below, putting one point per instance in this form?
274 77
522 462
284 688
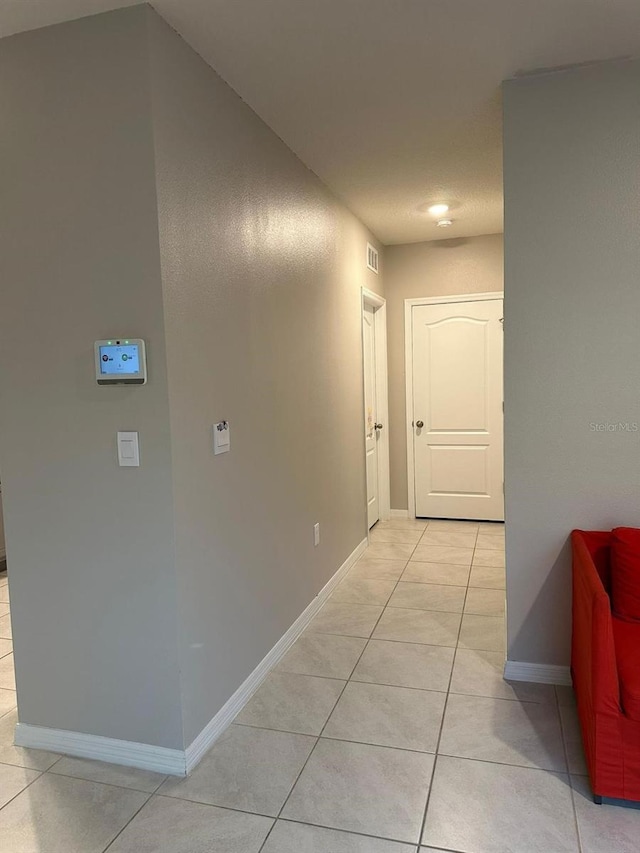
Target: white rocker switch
221 437
128 450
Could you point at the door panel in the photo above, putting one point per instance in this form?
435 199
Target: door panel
459 470
457 394
371 413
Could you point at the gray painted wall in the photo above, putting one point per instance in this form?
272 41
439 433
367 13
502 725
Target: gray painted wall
434 268
143 197
572 207
2 545
262 270
93 587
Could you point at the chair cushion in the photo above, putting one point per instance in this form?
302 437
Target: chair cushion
627 640
625 573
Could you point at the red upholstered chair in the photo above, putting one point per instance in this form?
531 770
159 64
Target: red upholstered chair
605 665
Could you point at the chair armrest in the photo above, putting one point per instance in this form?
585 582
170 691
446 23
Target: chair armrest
593 655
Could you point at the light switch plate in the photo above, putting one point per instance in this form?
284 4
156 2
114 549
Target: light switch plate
221 437
128 450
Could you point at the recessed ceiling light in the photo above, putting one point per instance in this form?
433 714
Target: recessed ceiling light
444 223
438 209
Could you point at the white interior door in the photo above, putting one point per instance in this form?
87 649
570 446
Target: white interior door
458 410
371 413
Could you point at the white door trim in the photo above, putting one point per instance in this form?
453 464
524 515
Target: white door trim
382 397
408 363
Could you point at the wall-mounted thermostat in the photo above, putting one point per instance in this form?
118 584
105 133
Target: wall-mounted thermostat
121 362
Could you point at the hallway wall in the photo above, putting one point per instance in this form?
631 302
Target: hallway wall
435 268
2 545
93 587
262 270
144 198
572 371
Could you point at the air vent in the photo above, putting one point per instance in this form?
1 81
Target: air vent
373 260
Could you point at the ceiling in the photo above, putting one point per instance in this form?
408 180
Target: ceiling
393 103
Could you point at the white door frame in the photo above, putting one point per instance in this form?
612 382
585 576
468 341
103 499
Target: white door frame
379 306
408 363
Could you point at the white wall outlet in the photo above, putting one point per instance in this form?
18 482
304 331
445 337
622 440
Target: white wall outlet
316 533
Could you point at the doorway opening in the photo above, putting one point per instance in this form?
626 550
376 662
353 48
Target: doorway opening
454 392
376 407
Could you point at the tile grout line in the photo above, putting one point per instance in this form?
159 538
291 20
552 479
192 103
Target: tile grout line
151 795
351 832
288 797
133 816
39 776
398 748
385 640
421 839
108 784
566 758
390 684
348 681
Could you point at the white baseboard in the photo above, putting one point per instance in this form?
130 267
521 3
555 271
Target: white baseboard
142 755
540 673
216 726
399 513
176 762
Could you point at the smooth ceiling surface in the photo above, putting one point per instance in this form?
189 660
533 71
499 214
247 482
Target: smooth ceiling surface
393 103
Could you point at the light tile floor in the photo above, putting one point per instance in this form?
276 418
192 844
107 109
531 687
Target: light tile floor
387 728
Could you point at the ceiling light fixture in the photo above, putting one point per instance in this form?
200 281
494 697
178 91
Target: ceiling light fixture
438 209
444 223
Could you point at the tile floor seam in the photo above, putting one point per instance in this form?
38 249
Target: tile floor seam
401 686
22 790
444 713
212 805
386 640
119 833
504 763
346 832
496 698
6 714
296 780
34 769
99 781
344 740
368 640
427 609
380 746
566 759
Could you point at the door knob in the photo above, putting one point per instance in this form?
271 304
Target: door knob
378 426
419 424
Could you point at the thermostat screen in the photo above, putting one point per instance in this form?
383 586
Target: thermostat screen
119 359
